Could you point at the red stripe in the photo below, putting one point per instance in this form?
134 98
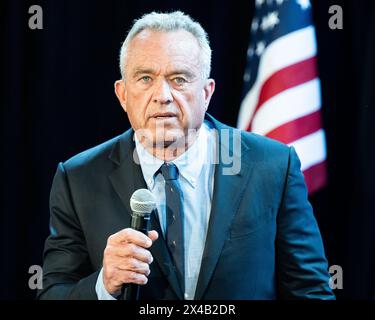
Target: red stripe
284 79
316 177
296 129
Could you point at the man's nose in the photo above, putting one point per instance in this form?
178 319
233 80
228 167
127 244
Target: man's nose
162 93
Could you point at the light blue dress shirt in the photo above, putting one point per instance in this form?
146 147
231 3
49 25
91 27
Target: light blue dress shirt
196 177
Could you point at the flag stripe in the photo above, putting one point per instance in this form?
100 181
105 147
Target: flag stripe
289 49
311 149
316 176
284 79
296 129
287 106
283 95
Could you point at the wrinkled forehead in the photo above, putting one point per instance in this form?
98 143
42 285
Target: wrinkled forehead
173 48
171 40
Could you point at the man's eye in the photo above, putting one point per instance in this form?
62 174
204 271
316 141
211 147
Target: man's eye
179 80
146 79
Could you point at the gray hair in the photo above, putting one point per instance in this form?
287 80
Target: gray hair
173 21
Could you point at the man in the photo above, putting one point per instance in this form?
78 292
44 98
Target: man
238 231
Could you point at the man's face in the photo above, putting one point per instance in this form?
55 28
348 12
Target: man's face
164 93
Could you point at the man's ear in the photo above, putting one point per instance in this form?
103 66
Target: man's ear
208 89
121 93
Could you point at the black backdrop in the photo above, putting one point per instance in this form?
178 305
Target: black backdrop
57 99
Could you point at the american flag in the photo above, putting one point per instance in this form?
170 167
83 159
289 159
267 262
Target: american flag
282 98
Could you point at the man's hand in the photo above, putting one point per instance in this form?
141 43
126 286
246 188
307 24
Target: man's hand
126 258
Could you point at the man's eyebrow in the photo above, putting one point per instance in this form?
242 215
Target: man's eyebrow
140 71
185 72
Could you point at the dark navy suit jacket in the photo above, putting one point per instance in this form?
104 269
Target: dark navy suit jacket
263 241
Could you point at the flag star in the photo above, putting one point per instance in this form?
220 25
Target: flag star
250 52
264 24
259 3
280 2
270 21
260 48
255 25
273 19
305 4
246 76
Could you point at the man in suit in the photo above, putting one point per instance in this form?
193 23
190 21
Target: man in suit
232 220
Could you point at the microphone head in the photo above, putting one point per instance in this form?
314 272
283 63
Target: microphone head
142 202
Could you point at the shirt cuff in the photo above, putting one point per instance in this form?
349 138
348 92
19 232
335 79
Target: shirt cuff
100 289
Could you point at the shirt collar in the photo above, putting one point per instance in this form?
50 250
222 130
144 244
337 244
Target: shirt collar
149 163
189 164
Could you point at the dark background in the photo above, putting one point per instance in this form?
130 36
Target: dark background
57 99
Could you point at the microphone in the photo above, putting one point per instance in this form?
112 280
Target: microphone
142 203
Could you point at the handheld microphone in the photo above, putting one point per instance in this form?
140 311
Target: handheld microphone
142 203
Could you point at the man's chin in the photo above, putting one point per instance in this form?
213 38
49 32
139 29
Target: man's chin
163 137
177 141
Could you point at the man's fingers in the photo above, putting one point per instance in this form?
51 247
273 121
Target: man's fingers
128 250
132 236
135 266
129 263
126 258
134 277
153 235
114 278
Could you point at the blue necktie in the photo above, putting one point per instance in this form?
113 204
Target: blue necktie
175 219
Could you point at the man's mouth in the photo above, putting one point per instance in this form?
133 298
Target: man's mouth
164 115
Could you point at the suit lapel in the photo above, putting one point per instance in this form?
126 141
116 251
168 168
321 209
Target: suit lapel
125 179
228 189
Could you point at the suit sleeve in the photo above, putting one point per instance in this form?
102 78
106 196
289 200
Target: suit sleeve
67 270
302 266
